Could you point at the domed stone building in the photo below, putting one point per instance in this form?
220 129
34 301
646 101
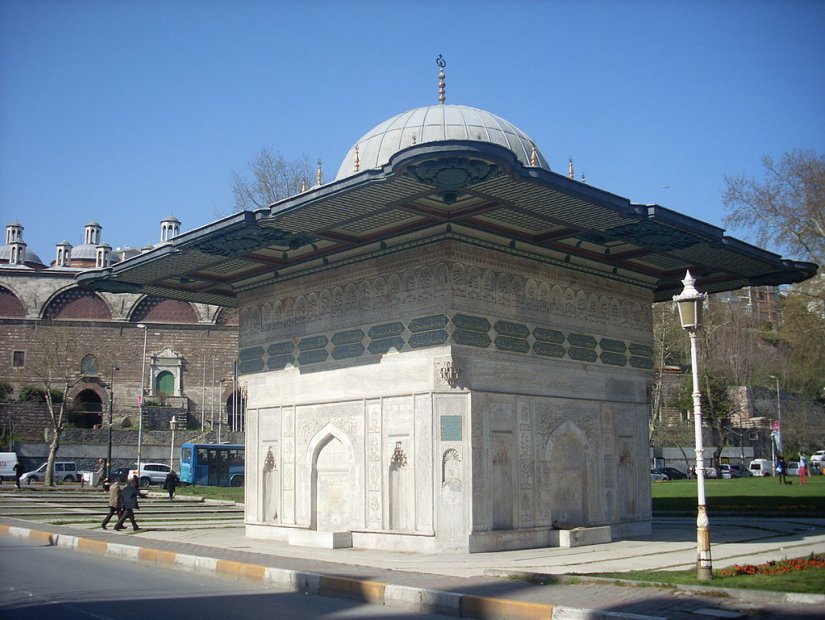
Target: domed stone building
190 346
449 346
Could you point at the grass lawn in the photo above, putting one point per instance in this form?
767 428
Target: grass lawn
232 494
743 495
808 581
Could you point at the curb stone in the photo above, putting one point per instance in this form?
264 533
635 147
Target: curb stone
373 592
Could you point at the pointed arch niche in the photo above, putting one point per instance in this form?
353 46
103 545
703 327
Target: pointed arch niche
565 474
331 459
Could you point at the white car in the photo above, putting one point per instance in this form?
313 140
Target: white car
656 475
818 456
150 473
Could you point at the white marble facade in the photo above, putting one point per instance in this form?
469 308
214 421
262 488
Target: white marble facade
353 425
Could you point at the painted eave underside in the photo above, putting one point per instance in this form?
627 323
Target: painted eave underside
472 192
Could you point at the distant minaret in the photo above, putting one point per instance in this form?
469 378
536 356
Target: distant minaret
14 233
570 173
103 254
169 228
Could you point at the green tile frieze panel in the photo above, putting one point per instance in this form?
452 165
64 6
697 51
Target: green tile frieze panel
348 351
451 428
313 342
514 330
547 349
581 341
250 366
348 337
251 353
382 345
428 339
428 323
613 359
279 362
582 355
316 356
553 336
645 363
386 330
516 345
280 348
614 346
642 350
471 323
472 338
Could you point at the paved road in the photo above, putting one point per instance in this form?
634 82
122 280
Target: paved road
39 581
671 545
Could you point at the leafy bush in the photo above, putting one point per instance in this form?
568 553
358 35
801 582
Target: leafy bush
31 394
5 390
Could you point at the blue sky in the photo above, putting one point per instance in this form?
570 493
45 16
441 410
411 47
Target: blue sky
126 112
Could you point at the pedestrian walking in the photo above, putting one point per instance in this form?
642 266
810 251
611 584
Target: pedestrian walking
115 502
19 470
130 494
100 473
780 470
803 469
171 483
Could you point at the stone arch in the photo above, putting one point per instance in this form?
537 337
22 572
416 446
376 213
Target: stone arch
300 310
503 296
566 456
87 408
10 304
393 291
350 300
544 297
331 463
593 307
337 302
312 307
278 314
325 305
459 280
488 286
380 293
289 312
473 282
425 284
410 294
154 309
441 280
226 316
365 296
77 303
531 293
266 317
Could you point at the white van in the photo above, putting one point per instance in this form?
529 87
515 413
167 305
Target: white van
761 467
64 471
7 462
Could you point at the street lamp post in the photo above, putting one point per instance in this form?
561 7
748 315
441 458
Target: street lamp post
172 425
777 434
690 303
142 393
111 408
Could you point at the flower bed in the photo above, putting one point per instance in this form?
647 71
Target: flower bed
773 568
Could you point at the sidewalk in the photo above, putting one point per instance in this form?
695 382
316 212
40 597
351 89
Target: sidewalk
486 585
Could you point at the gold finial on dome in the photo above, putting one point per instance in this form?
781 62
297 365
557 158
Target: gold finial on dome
357 165
570 173
442 86
318 174
534 155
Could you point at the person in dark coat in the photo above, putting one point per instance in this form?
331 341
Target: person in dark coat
115 502
19 470
171 483
130 494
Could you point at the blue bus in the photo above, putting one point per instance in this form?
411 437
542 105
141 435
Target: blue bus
212 464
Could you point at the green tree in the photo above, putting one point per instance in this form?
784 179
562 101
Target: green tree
716 407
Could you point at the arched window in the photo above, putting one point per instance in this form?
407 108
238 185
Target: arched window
88 366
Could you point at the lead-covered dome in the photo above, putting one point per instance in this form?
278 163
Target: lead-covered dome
436 123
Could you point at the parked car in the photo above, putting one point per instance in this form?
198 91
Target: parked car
673 473
150 473
657 474
818 457
64 471
734 470
792 468
120 473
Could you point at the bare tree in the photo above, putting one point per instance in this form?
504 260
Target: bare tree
270 177
55 371
787 209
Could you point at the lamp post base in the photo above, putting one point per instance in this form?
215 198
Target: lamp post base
704 567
